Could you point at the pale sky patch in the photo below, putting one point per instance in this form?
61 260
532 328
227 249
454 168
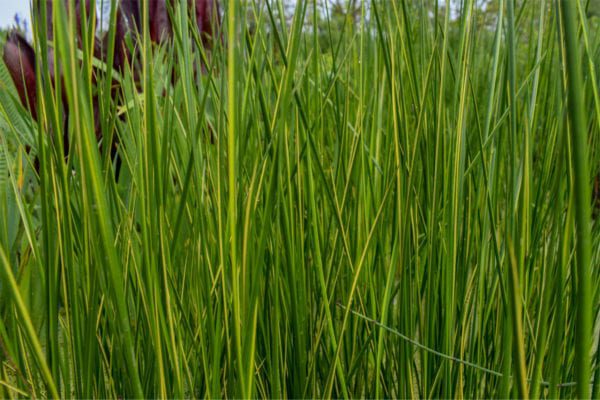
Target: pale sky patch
8 9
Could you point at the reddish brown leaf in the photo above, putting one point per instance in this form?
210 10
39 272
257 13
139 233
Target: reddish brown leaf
19 58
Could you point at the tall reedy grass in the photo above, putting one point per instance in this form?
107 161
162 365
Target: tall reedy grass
390 204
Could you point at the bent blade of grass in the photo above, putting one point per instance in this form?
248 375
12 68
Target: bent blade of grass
23 312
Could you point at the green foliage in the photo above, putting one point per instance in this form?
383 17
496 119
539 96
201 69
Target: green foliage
387 206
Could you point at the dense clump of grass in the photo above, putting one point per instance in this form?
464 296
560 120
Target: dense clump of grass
395 202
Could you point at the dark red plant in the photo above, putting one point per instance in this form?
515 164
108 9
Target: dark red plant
20 57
